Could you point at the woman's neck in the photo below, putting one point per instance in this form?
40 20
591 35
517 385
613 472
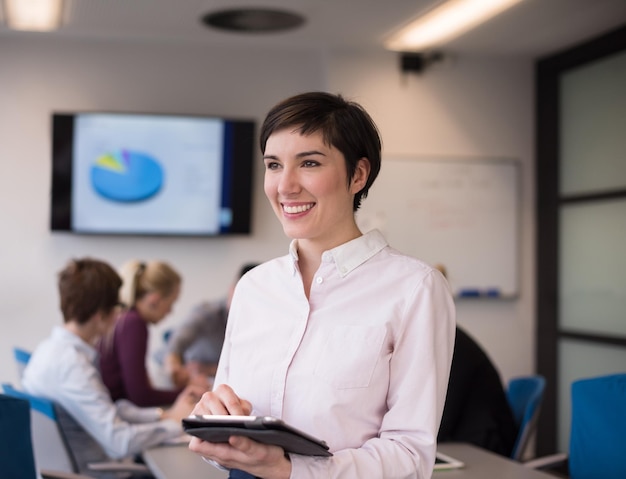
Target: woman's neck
310 255
88 331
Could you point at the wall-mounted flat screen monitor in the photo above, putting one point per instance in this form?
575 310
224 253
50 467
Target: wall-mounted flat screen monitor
147 174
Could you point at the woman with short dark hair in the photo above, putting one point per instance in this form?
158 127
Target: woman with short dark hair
345 338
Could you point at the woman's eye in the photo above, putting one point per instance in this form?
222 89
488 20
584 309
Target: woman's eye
271 165
310 163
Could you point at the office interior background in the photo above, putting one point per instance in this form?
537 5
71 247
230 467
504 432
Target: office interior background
154 56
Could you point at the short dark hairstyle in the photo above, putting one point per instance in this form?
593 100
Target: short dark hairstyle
344 125
87 286
245 268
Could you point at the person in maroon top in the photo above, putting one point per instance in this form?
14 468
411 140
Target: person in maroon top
149 291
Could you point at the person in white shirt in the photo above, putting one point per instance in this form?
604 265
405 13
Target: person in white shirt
344 338
62 367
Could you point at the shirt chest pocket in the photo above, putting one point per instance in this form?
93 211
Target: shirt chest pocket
349 355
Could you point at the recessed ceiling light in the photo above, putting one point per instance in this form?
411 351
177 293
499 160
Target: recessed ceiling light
253 20
447 20
33 15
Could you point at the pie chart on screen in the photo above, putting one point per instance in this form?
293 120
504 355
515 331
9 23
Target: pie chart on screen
126 176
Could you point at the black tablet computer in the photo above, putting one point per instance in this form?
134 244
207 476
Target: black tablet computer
266 429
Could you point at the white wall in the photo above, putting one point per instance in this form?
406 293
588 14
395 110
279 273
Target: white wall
37 77
464 107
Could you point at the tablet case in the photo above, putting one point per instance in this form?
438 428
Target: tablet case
265 429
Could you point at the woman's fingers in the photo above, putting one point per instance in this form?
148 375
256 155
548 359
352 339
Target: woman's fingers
222 400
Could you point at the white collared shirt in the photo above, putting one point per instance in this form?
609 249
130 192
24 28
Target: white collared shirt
62 369
362 364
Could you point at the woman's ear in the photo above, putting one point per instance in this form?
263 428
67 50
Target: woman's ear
361 174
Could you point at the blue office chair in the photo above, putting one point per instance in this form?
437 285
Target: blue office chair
597 446
48 445
21 357
598 435
525 395
16 448
61 444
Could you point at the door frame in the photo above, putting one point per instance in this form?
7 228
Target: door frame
548 71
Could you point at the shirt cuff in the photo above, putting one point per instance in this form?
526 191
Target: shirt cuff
134 414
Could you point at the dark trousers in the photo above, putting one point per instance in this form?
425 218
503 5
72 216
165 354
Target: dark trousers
237 474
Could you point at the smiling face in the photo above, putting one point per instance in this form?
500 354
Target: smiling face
306 183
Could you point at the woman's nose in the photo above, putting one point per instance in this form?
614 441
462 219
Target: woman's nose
288 183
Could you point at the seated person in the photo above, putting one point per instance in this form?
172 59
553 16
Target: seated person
62 368
194 347
149 290
476 408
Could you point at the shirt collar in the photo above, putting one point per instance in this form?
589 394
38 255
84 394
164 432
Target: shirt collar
350 255
60 332
293 253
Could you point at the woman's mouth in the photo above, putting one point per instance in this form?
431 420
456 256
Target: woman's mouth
294 209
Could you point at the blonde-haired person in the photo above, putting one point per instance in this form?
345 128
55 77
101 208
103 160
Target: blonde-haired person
149 291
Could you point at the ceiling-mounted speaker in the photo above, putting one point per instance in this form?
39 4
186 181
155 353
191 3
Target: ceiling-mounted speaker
418 62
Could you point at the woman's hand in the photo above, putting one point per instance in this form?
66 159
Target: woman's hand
176 369
184 403
243 453
261 460
222 400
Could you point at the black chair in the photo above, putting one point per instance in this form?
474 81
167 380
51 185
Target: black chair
476 410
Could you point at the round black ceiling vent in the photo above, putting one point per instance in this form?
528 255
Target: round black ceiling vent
253 20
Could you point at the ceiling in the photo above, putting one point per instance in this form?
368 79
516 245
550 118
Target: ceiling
532 28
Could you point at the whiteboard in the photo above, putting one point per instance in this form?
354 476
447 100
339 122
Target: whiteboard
462 213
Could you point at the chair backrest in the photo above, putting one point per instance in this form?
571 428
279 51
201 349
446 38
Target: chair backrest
16 447
21 357
49 446
61 444
525 395
598 434
83 449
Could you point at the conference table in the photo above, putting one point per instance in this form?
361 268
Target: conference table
178 462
